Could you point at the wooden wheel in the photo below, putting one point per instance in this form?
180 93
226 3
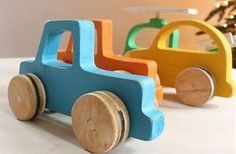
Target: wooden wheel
25 95
22 97
123 113
98 123
41 95
194 86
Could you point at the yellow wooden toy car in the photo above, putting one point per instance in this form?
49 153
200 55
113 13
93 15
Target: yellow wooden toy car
196 75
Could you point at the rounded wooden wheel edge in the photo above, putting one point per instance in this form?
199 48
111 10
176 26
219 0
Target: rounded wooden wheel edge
22 97
123 115
40 92
194 86
93 132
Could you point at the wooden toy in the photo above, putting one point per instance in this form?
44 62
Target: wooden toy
156 23
106 59
31 88
106 107
208 44
192 72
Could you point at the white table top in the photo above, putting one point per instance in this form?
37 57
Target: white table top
210 129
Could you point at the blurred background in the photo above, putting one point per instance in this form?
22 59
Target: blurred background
22 21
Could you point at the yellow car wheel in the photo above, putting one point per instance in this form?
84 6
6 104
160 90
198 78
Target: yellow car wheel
194 86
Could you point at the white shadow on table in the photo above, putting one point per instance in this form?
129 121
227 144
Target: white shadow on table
171 100
58 125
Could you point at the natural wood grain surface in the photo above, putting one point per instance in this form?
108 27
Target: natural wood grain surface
26 96
41 92
194 86
125 115
22 97
97 122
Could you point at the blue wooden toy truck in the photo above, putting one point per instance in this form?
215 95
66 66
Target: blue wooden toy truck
106 107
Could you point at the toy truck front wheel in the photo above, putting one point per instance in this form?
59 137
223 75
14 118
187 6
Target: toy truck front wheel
100 121
26 96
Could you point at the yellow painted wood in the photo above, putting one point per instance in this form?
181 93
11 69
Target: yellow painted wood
172 61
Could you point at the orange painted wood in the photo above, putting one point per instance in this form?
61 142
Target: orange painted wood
106 59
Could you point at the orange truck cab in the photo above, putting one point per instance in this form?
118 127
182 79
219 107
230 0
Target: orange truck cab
107 60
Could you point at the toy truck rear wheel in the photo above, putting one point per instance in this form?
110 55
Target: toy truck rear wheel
100 121
26 96
195 86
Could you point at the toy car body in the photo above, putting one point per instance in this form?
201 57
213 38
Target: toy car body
106 59
64 83
172 61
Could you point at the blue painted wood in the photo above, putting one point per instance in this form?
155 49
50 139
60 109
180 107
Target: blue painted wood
64 83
